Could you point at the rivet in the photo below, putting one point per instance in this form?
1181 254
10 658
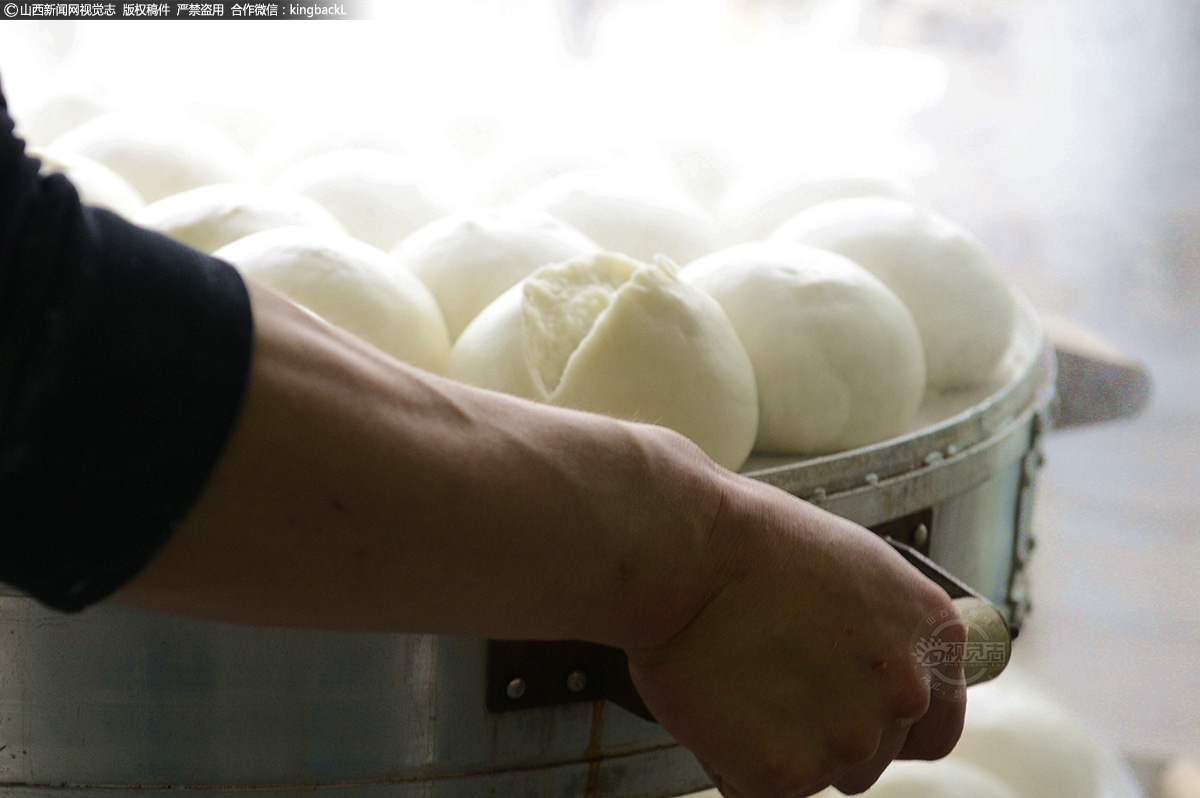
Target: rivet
921 536
818 495
933 457
951 450
1033 464
577 681
515 689
872 478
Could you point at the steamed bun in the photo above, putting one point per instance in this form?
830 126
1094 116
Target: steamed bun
95 183
350 284
837 356
516 166
627 213
209 217
943 779
757 204
469 259
64 106
380 197
301 137
1016 743
611 335
159 155
963 307
1018 735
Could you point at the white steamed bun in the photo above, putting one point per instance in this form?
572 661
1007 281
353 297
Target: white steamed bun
469 259
756 204
1016 743
380 197
942 779
1018 735
702 168
67 104
963 306
159 154
627 213
349 284
95 183
1181 778
836 354
611 335
518 165
209 217
300 137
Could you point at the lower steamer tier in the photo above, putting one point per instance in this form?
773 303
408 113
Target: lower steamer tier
118 701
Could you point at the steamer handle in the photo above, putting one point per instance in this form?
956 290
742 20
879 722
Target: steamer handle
1095 381
528 674
985 655
988 646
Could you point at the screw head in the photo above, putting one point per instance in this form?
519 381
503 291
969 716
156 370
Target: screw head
577 681
515 689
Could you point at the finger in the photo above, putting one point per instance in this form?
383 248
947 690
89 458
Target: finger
728 790
722 787
860 777
935 734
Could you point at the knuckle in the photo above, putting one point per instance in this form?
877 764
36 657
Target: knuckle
950 627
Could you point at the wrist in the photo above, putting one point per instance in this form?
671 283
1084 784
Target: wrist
672 564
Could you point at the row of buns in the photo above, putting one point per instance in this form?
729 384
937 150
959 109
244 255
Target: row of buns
605 289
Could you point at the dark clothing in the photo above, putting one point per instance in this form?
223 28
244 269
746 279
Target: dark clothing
123 361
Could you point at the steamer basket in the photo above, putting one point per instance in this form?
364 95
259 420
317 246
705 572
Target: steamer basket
119 702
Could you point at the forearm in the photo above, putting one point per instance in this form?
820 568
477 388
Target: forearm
357 493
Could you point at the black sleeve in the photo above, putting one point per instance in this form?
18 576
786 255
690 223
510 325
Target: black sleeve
123 361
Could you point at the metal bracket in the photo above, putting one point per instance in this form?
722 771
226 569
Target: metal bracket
529 674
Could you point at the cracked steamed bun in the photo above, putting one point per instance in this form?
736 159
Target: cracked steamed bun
159 155
609 334
963 306
837 356
349 284
209 217
469 259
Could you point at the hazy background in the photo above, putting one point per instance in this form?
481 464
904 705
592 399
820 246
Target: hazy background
1066 133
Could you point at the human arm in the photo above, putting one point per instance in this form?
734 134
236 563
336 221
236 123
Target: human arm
358 493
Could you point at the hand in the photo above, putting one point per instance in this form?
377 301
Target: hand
798 673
